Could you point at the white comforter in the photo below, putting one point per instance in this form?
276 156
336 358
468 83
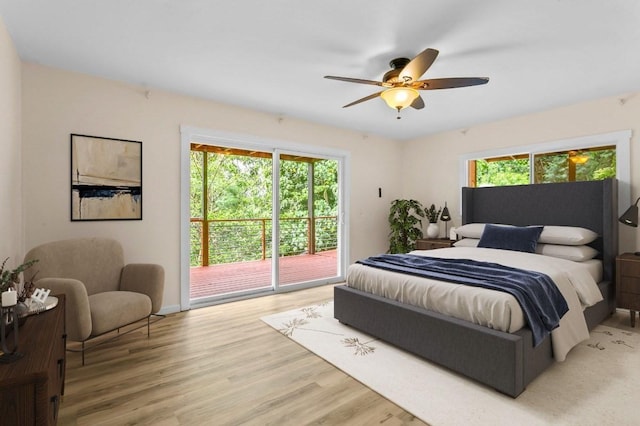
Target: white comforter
486 307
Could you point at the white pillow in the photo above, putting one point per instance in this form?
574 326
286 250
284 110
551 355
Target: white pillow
566 235
470 230
551 234
574 253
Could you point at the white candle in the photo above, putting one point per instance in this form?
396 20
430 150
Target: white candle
9 298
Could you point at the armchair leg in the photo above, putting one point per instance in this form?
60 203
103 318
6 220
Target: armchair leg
139 326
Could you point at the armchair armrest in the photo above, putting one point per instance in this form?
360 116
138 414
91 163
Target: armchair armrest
146 278
78 313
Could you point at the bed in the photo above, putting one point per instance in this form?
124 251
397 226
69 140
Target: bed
505 361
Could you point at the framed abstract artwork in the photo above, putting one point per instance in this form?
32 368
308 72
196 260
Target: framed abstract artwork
106 178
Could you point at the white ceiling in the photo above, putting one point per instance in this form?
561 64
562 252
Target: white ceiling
272 55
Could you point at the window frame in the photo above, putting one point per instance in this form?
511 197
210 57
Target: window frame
620 139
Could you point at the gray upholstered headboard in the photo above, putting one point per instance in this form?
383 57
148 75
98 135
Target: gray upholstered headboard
592 205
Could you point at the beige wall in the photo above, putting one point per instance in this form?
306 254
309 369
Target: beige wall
57 103
11 224
432 162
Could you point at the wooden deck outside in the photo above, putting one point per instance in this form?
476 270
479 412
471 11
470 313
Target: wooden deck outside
226 278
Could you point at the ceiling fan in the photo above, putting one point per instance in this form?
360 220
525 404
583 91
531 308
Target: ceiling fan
402 82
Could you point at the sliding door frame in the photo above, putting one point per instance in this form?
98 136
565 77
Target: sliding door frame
276 148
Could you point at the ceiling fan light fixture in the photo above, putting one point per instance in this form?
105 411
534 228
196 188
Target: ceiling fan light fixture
399 97
402 82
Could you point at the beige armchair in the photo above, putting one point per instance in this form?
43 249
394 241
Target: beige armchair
102 293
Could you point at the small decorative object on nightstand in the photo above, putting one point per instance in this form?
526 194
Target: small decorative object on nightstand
628 284
434 243
432 215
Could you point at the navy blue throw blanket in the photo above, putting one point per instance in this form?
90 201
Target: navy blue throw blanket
541 301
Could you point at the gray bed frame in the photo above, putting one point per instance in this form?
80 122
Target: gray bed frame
504 361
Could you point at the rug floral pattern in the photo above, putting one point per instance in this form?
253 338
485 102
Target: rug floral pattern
302 322
602 339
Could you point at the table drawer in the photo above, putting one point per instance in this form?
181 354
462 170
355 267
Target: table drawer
629 269
433 244
629 301
630 285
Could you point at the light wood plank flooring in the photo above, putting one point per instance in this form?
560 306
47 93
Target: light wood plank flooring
219 365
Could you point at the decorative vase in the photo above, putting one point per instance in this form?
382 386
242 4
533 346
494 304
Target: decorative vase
433 230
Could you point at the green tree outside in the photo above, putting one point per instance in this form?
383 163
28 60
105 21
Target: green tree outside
239 187
548 167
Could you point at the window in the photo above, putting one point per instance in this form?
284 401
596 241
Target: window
587 158
578 164
499 171
575 165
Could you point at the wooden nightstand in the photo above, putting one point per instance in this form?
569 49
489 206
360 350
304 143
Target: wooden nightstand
435 243
628 284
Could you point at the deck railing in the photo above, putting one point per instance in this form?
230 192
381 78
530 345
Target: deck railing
240 240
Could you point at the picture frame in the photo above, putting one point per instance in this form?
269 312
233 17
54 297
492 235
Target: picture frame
106 178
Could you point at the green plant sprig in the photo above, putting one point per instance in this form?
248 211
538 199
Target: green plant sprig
432 214
10 278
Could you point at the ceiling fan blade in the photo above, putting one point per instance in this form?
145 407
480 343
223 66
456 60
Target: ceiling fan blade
419 65
354 80
449 83
418 103
366 98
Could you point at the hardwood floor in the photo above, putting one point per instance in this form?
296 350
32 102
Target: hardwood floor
219 365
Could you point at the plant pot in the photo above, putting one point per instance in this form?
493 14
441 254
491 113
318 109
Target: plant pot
433 230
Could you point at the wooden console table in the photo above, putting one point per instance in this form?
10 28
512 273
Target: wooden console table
31 387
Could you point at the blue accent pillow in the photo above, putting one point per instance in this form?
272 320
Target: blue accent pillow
517 238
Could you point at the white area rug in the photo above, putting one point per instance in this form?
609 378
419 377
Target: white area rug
598 384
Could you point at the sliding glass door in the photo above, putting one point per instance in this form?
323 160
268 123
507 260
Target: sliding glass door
237 221
231 226
308 219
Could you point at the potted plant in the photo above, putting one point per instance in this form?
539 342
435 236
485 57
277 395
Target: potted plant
433 230
405 223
